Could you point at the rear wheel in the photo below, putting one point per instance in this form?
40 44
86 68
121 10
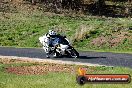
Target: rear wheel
57 54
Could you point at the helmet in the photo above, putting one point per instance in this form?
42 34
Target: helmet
51 32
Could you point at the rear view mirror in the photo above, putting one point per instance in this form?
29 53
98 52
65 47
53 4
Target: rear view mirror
64 36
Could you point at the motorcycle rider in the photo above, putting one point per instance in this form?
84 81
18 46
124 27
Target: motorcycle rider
47 40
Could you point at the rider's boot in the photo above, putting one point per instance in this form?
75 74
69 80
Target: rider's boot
54 55
47 55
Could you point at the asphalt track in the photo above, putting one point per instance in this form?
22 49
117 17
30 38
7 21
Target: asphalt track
101 58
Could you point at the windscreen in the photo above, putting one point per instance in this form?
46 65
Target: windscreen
59 40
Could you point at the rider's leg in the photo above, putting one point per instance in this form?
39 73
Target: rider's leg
46 49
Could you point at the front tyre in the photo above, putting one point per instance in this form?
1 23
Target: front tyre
74 53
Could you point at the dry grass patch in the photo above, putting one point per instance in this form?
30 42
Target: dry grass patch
40 69
82 32
35 68
113 40
12 61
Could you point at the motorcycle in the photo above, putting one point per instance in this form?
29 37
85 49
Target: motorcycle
61 47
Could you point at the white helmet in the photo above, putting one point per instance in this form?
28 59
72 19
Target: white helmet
51 32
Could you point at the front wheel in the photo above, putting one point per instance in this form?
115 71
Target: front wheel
74 53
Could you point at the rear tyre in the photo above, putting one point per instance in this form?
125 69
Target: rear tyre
57 55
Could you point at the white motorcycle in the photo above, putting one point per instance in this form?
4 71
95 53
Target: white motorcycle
61 47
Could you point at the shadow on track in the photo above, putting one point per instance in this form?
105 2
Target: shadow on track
81 57
86 57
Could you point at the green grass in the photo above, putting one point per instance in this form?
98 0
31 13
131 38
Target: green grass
22 29
106 50
57 80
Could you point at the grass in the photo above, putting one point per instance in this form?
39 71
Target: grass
106 50
23 28
58 79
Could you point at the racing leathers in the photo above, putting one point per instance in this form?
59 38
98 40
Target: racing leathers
46 41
